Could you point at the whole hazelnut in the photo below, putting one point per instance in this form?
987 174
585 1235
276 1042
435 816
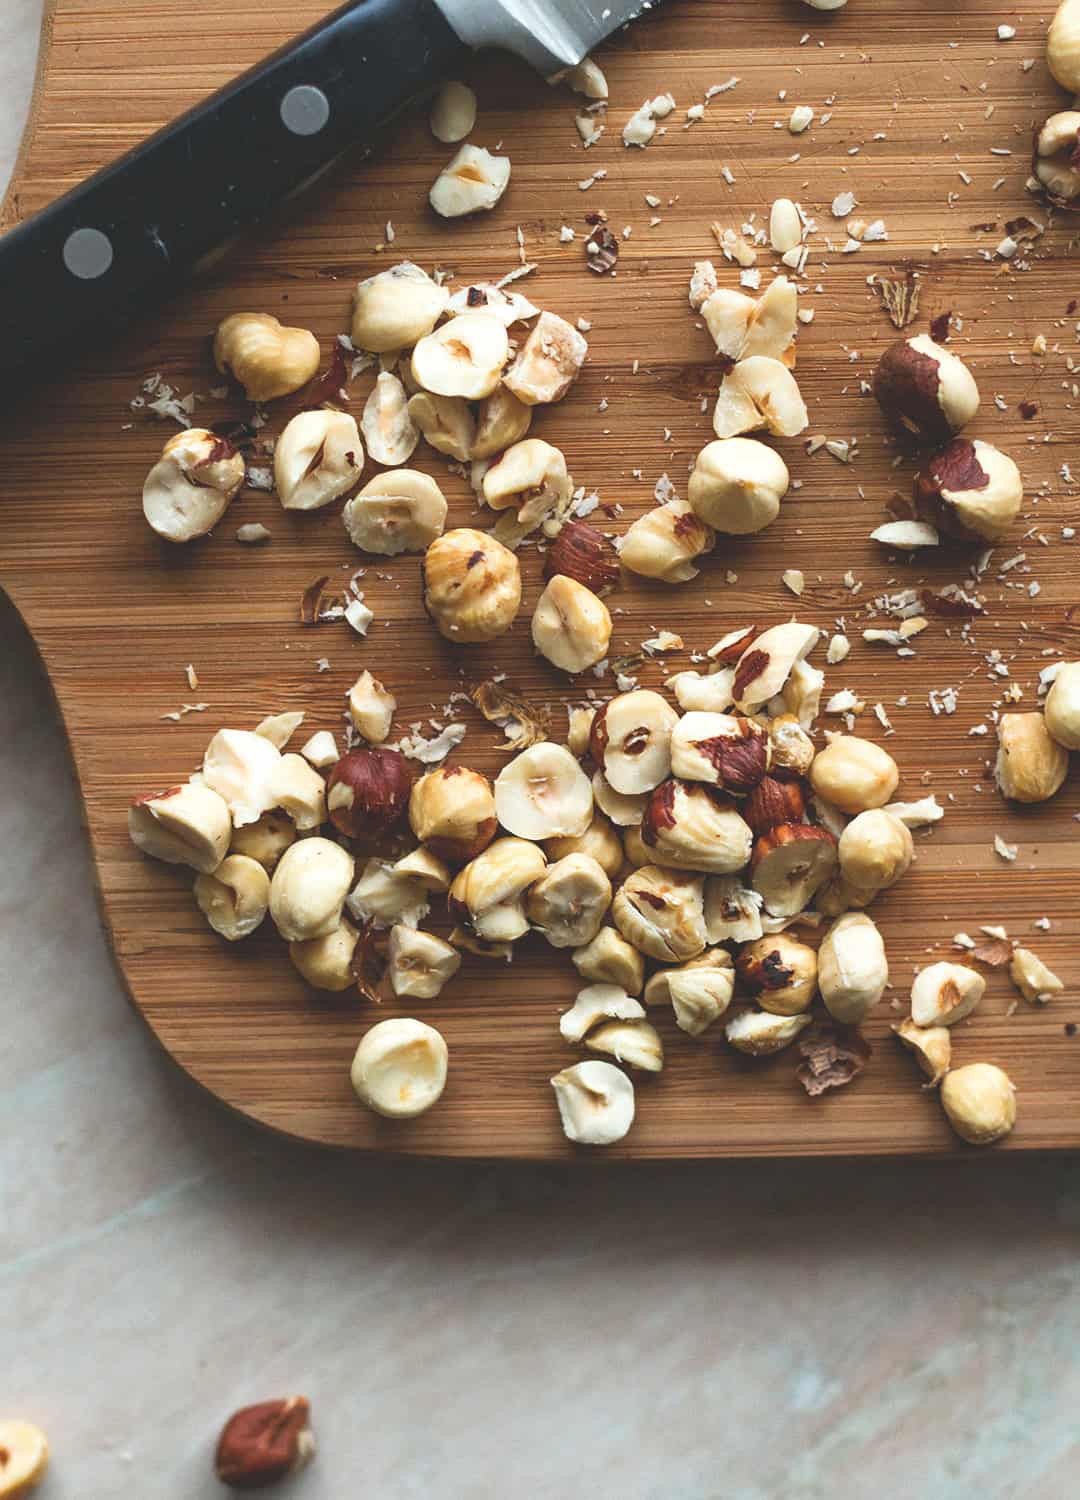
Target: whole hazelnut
980 1102
970 490
262 1444
452 812
875 850
774 801
854 774
737 485
693 827
1062 711
780 972
1031 765
925 389
665 541
1054 161
584 554
472 586
571 626
368 791
308 889
661 913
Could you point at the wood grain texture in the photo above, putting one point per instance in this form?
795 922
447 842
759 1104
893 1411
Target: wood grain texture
117 615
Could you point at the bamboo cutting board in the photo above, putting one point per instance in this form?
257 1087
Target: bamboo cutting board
914 103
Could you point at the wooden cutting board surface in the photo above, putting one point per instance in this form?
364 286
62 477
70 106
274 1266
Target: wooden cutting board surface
915 101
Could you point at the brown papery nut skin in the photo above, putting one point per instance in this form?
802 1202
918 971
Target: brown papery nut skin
585 555
734 761
452 812
925 389
773 802
955 493
261 1444
379 783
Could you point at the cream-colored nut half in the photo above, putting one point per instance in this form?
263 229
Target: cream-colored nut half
25 1451
635 1043
387 896
712 693
371 708
235 898
1062 711
596 1003
569 901
661 912
300 791
944 993
632 739
388 428
852 968
321 750
1031 765
931 1046
453 114
610 960
699 992
759 1033
766 664
543 793
489 891
665 541
980 1103
400 1068
396 308
728 315
326 962
571 626
548 362
463 357
624 810
522 470
308 889
600 841
265 357
242 767
759 392
317 459
472 181
732 911
446 422
429 872
420 963
854 774
737 485
188 490
400 512
596 1102
266 839
1032 978
774 324
785 226
501 421
186 825
280 728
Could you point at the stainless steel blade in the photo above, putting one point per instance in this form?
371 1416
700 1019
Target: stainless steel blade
548 34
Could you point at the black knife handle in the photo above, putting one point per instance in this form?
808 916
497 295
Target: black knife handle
127 234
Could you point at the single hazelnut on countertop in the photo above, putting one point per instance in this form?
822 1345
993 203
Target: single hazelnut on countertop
400 1068
453 112
737 485
661 912
463 357
472 181
852 968
543 793
875 850
780 972
925 389
759 1033
931 1047
767 662
970 490
630 740
387 424
610 960
308 889
944 993
24 1457
420 964
569 901
472 586
665 541
980 1103
571 626
488 895
318 458
262 1444
400 512
548 362
266 358
699 992
789 864
596 1102
396 308
1032 978
242 766
235 898
722 750
368 791
452 812
584 554
1054 161
266 839
1031 766
1062 711
371 708
691 827
185 825
759 392
854 774
326 962
188 490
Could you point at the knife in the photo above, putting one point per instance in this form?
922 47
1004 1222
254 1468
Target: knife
127 235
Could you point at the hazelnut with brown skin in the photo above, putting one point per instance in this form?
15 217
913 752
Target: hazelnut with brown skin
774 801
262 1444
780 972
970 490
694 828
452 812
368 791
925 389
722 750
584 554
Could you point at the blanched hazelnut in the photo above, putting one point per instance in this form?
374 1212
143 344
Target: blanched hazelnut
773 802
308 889
453 112
400 1068
531 478
503 302
387 425
625 811
737 485
472 586
596 1102
789 864
759 1033
571 627
585 555
420 964
1063 46
428 871
925 388
635 1043
579 728
548 362
446 422
852 968
931 1047
569 901
368 791
610 960
371 708
766 663
543 793
24 1457
1054 161
792 748
944 993
1062 711
387 896
689 826
661 912
638 854
235 898
266 839
598 1002
970 490
980 1103
264 357
875 850
501 421
722 750
396 308
699 992
326 962
801 694
780 972
710 694
664 542
732 911
463 357
280 728
600 842
488 895
854 774
472 181
466 941
400 512
759 392
320 750
631 740
774 323
727 315
452 812
1031 766
1032 978
242 767
188 490
300 791
186 825
318 458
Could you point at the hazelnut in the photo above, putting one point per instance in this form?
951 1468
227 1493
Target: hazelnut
792 748
631 740
326 962
420 964
384 896
732 912
737 485
931 1046
773 324
610 960
727 314
320 750
501 421
308 889
1062 712
530 478
661 912
767 662
472 586
266 839
242 767
636 850
759 1033
596 1102
689 826
789 864
1054 159
854 774
466 941
453 113
785 226
781 972
585 555
186 825
569 901
801 694
543 793
758 393
387 424
488 895
773 802
262 1444
235 898
317 459
446 422
463 357
970 490
1063 46
472 181
368 791
875 850
571 627
635 1043
548 362
188 490
600 842
1032 978
264 357
925 389
400 512
944 993
429 872
579 728
711 694
300 792
980 1103
504 303
396 308
452 812
371 708
852 968
1031 766
664 542
598 1002
699 992
400 1068
24 1457
721 750
625 811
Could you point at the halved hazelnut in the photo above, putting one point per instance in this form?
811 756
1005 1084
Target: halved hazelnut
596 1102
932 1046
242 766
371 708
759 1033
280 728
368 791
472 586
531 478
300 792
1054 160
635 1043
737 485
488 895
788 865
759 392
446 422
664 542
400 512
630 740
472 181
699 992
624 810
584 554
732 912
925 389
691 827
387 424
970 490
502 302
548 362
722 750
944 993
396 308
595 1003
661 912
773 802
543 793
571 627
235 898
463 357
318 458
766 664
727 315
780 972
600 841
610 960
452 812
420 964
326 962
186 825
501 421
569 901
190 487
774 323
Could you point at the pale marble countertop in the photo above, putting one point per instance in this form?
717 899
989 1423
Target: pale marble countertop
745 1331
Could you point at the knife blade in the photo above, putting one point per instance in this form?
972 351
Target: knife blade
127 236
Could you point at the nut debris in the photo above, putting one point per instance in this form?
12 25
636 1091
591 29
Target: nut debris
596 1102
596 1003
400 1067
318 458
543 793
471 182
980 1103
321 750
584 554
453 114
1032 978
833 1056
265 358
261 1444
785 226
900 299
944 993
522 724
